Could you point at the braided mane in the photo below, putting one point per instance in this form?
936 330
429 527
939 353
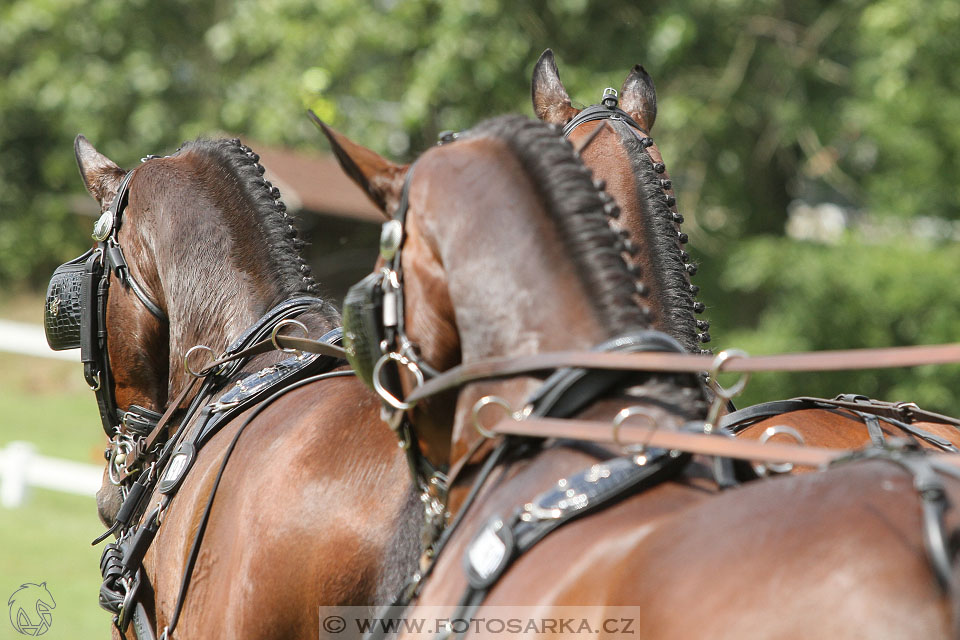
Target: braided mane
273 241
670 272
575 205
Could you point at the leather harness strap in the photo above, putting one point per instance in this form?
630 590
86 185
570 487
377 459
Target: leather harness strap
692 440
841 360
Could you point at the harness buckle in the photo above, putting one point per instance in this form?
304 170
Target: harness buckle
610 98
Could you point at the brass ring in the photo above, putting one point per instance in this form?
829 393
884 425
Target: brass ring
186 360
722 358
283 323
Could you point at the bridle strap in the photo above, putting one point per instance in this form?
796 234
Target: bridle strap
106 237
601 112
840 360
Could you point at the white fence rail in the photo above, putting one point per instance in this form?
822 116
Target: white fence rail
28 339
22 468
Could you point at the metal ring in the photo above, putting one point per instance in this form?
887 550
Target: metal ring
111 464
621 417
97 386
777 467
722 358
478 407
283 323
186 360
124 446
385 395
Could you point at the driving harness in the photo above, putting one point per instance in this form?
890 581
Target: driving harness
149 456
374 337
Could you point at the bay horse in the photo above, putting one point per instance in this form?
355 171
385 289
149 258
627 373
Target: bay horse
311 508
501 247
614 140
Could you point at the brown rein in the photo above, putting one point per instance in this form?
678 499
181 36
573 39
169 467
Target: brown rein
640 437
841 360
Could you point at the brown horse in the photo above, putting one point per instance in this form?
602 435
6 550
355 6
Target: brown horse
621 153
506 250
312 507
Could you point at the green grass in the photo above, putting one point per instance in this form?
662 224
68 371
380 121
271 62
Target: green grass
45 402
48 540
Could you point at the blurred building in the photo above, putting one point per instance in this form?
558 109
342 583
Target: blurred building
337 220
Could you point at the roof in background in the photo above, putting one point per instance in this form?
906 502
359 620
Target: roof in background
308 181
315 182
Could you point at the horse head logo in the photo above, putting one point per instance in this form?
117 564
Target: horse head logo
30 607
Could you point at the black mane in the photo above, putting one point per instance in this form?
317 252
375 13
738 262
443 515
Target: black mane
660 236
572 200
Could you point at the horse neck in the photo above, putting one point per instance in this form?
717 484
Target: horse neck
544 304
617 158
213 287
540 306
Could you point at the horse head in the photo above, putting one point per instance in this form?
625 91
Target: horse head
190 259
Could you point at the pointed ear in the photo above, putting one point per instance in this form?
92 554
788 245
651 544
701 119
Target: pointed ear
638 97
100 174
379 178
550 100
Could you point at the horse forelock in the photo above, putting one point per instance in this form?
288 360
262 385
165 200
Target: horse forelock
667 274
573 203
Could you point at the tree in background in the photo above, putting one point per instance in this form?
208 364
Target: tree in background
763 105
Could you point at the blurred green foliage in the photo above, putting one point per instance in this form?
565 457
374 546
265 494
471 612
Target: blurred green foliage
762 102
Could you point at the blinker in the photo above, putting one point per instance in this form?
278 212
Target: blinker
391 235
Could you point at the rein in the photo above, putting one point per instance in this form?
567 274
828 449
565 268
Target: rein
728 361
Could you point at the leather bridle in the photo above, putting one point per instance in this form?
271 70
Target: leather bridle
93 346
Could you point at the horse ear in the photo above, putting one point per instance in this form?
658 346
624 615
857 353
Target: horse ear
100 174
638 97
550 100
379 178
